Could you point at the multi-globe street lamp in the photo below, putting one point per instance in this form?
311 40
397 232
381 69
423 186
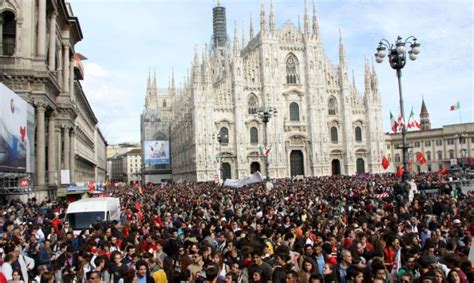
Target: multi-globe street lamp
462 140
264 114
397 57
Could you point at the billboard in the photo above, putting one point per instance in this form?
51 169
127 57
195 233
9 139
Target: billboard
157 152
13 134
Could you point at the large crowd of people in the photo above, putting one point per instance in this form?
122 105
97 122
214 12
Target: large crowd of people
342 229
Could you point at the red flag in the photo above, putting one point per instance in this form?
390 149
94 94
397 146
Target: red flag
400 171
420 158
410 168
385 162
443 171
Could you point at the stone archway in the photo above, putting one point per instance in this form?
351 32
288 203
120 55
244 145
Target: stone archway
336 167
296 163
254 167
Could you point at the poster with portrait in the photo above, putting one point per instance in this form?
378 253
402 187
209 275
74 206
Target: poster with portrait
157 152
13 133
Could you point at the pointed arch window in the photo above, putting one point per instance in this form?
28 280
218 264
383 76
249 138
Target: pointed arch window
253 104
8 33
224 135
428 155
164 103
294 112
332 107
358 134
253 135
334 138
292 70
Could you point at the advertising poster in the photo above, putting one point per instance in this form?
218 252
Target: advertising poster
13 133
157 152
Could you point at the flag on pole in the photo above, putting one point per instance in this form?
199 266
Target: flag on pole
455 107
393 123
420 158
412 123
260 151
267 150
400 171
385 162
400 123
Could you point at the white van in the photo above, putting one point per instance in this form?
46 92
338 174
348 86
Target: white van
84 213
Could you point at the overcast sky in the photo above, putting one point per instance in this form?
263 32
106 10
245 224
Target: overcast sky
124 38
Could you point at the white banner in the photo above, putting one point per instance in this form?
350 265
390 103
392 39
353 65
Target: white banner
237 183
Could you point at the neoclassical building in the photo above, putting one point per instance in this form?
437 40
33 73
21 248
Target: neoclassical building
38 62
323 125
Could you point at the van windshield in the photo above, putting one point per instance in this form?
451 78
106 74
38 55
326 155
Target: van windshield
84 220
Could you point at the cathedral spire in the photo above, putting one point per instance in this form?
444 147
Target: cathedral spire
236 40
425 123
272 17
263 21
173 86
306 19
251 27
367 76
342 53
353 79
196 70
154 78
244 40
148 81
315 22
299 23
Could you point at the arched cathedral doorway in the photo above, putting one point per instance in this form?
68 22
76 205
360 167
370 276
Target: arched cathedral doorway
254 167
360 165
296 163
336 167
226 174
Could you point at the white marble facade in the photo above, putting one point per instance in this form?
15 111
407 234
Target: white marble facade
323 126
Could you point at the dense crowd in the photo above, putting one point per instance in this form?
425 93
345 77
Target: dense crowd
322 229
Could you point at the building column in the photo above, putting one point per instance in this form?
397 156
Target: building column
40 143
66 70
1 34
71 82
41 40
72 153
52 149
66 143
52 42
58 152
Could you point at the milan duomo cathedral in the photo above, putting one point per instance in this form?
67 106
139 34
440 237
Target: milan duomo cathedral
319 122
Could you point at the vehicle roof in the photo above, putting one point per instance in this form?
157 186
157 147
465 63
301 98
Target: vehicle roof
91 204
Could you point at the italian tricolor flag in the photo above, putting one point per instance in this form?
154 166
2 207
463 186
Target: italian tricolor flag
393 123
455 107
412 123
264 151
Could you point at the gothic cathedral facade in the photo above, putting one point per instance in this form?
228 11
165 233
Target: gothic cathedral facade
320 124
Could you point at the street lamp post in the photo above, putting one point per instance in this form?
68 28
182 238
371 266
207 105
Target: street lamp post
264 114
397 57
462 139
220 139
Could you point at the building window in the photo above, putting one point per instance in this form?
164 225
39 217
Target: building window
472 140
164 103
8 33
439 142
417 144
332 106
224 134
429 168
334 135
427 143
450 141
440 155
253 104
253 135
397 157
291 70
294 112
388 146
358 134
451 154
428 155
462 140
